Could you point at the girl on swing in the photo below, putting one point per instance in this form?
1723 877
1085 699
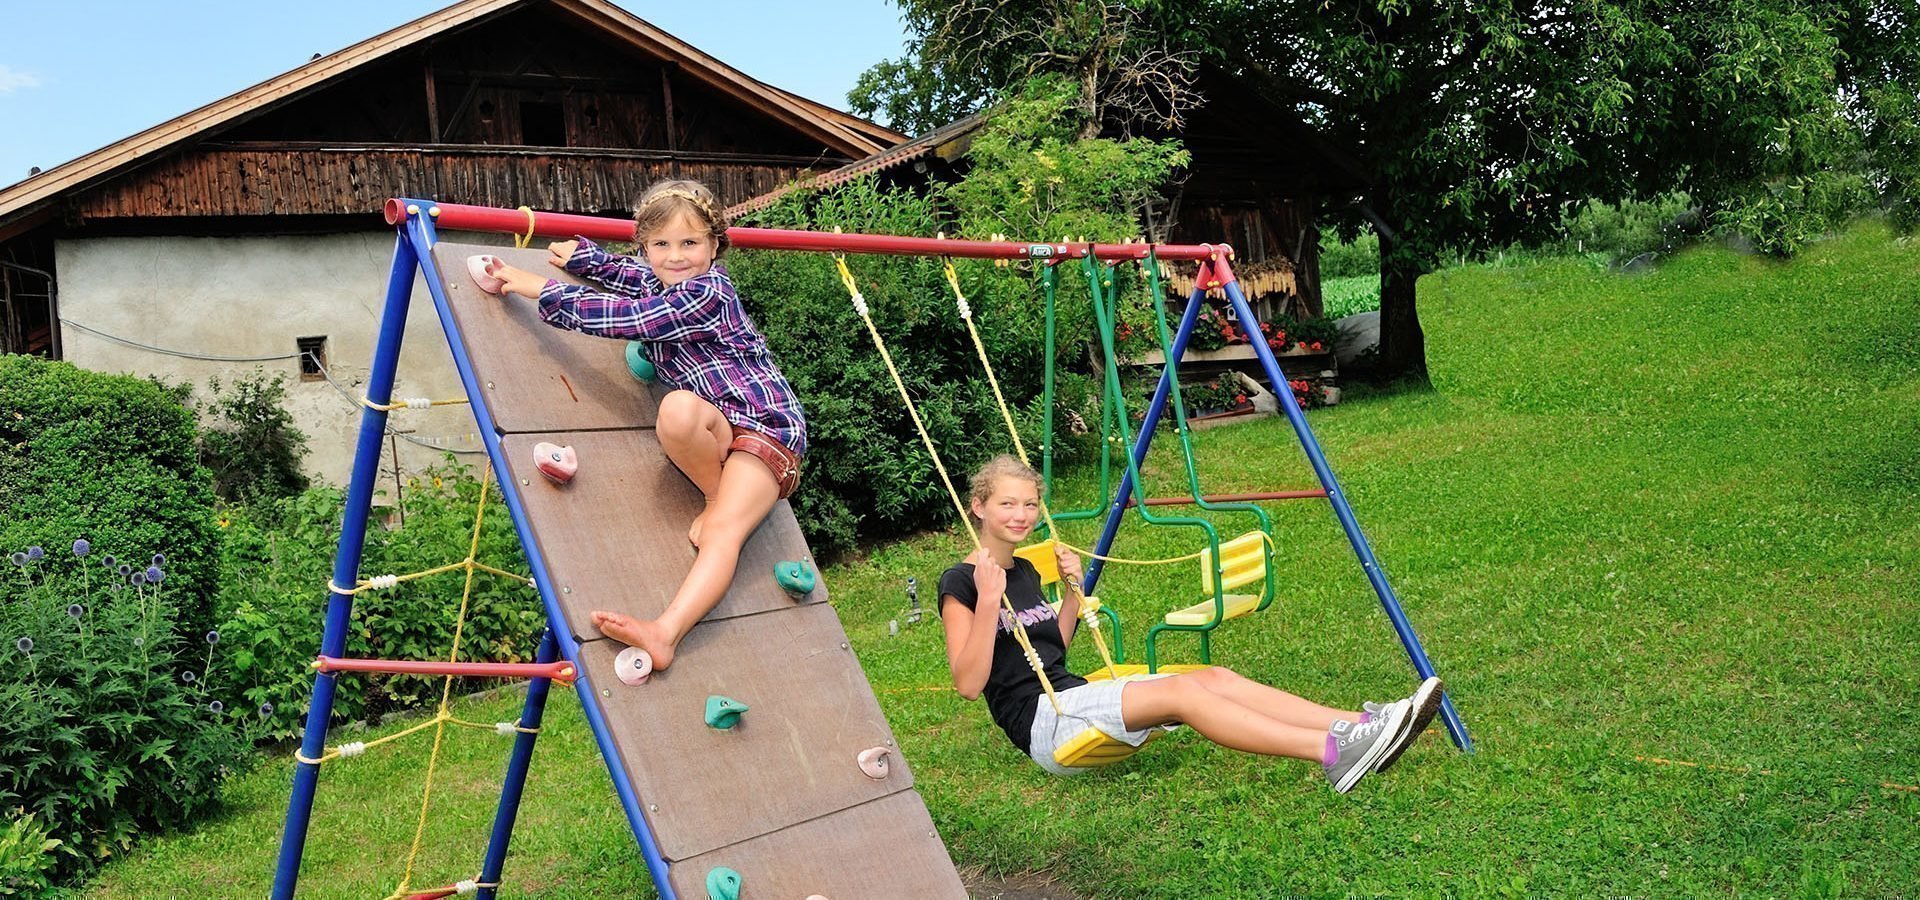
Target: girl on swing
1223 707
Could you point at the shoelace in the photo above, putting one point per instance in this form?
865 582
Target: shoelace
1361 731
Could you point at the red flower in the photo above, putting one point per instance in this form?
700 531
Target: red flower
1239 399
1315 347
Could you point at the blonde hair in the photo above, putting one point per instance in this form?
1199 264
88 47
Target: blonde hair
980 489
667 199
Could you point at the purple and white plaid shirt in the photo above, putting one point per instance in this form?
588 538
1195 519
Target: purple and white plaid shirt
696 332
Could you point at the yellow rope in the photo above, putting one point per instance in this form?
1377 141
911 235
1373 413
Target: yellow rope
523 241
926 440
446 687
404 404
1006 415
469 564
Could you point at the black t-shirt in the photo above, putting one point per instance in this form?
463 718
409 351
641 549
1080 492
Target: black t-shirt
1013 692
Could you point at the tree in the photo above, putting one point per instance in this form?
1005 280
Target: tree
1133 62
1478 123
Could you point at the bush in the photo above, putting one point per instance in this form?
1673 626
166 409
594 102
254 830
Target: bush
108 727
1343 297
111 459
1349 259
866 471
279 555
26 858
249 441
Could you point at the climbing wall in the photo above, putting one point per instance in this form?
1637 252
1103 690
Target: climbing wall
778 797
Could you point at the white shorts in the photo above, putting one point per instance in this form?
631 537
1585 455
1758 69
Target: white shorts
1095 704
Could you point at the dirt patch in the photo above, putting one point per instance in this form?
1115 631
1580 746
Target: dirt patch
1015 887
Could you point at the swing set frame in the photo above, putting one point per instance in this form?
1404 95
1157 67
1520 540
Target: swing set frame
417 222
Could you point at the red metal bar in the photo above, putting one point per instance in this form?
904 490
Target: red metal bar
1232 498
558 670
459 217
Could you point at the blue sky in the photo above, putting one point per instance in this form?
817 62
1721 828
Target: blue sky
77 75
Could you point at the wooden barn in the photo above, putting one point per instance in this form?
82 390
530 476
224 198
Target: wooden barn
247 233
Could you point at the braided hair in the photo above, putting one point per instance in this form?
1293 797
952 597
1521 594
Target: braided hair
667 199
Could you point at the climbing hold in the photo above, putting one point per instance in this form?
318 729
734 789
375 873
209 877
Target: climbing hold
723 884
816 897
796 577
556 462
723 712
637 361
478 269
632 666
873 761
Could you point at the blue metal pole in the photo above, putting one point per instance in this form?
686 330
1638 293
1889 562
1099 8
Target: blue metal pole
1355 537
420 229
346 561
1145 439
531 713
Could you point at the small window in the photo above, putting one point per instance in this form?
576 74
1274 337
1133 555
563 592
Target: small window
542 125
313 358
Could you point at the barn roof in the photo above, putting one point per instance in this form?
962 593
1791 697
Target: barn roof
27 202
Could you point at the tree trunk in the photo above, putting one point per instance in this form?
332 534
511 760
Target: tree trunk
1403 346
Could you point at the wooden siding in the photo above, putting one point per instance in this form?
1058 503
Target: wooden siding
316 181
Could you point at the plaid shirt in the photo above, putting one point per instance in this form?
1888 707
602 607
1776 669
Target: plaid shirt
696 333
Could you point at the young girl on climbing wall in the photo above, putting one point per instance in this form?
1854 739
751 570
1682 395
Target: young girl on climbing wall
731 422
1223 707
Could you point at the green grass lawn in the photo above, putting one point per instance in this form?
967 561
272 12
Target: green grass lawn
1669 516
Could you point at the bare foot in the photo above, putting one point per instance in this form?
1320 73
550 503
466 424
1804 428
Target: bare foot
647 635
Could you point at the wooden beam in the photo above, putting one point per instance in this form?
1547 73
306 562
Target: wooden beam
666 94
433 100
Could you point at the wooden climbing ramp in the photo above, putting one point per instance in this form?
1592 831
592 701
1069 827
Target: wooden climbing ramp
780 797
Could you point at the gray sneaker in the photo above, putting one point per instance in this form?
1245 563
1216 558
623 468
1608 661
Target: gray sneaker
1358 746
1422 706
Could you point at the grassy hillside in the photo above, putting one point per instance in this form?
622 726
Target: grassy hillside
1664 517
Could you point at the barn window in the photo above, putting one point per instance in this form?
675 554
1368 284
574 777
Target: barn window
313 358
542 124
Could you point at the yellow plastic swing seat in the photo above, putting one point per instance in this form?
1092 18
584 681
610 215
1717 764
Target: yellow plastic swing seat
1126 670
1201 613
1243 561
1094 747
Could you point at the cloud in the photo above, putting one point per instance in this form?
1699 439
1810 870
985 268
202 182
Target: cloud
11 80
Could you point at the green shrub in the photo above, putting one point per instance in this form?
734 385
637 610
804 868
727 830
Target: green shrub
1349 259
108 725
26 858
248 439
111 459
278 555
1343 297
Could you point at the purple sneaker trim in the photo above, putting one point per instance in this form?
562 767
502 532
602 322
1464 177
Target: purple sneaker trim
1332 754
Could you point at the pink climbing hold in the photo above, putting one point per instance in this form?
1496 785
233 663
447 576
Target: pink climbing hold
873 761
556 462
632 666
479 268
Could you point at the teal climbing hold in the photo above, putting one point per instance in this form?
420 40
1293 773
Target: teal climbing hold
723 884
724 712
637 361
796 577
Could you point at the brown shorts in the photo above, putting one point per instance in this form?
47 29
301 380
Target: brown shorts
785 465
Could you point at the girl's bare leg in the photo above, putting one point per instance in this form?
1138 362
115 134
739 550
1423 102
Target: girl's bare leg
1270 701
747 493
695 435
1183 698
